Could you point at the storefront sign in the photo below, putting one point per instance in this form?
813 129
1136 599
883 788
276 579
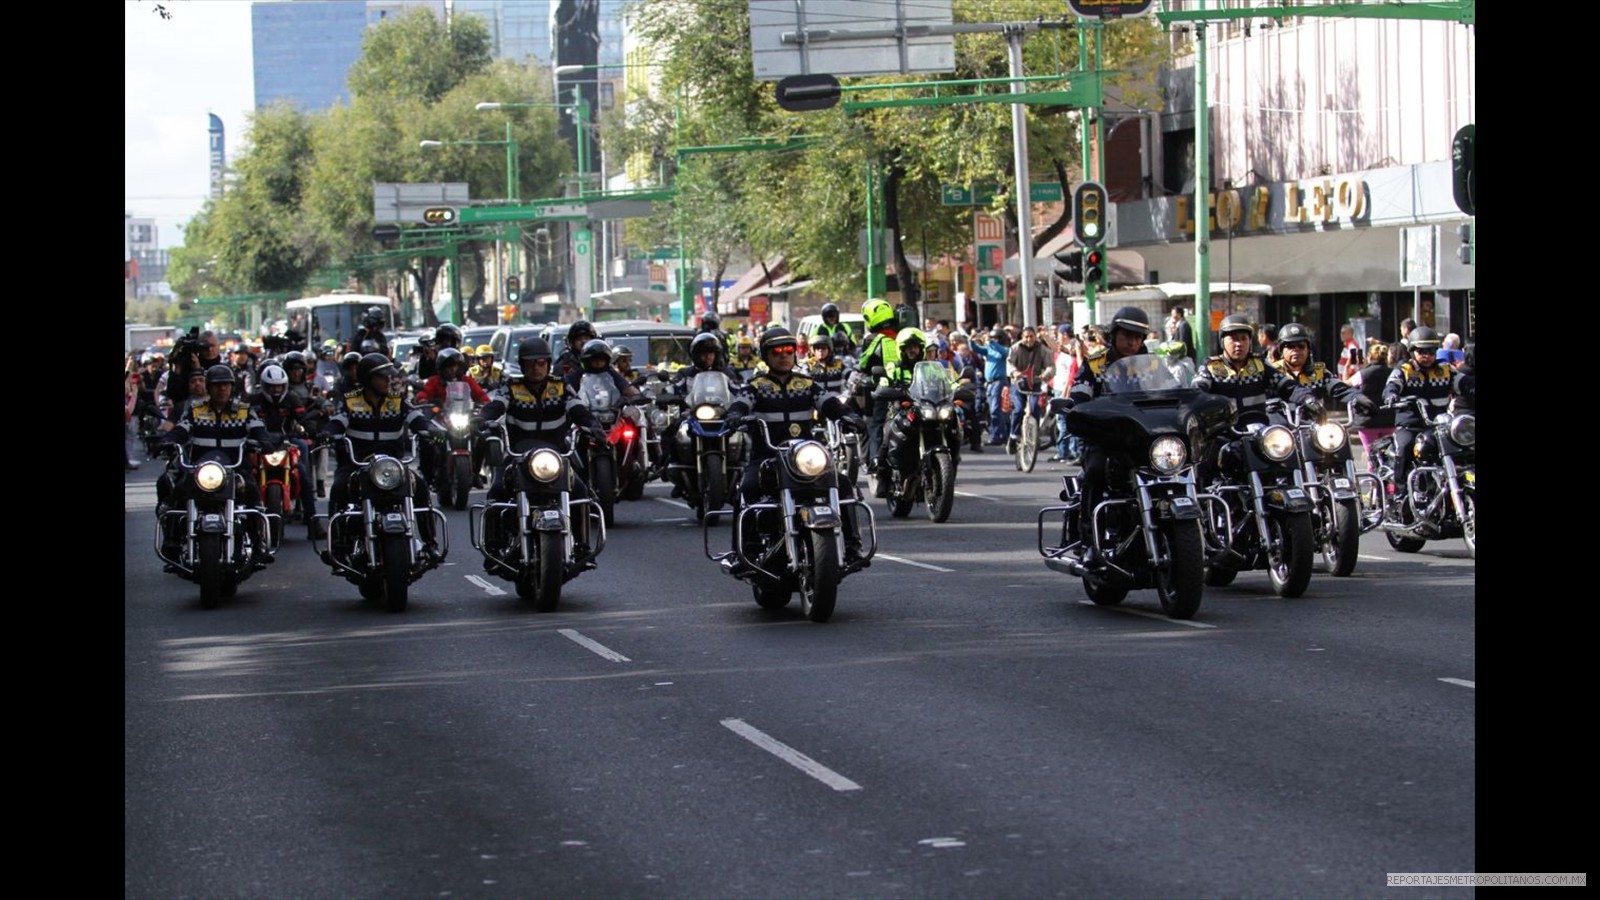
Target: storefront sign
1325 201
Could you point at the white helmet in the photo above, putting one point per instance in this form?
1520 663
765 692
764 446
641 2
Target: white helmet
274 381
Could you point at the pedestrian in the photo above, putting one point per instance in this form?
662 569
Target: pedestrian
1351 359
1177 328
1267 341
1373 427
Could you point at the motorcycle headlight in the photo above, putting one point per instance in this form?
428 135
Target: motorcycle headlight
707 413
810 459
928 411
1464 429
210 476
386 473
1276 443
1330 437
459 421
658 417
1168 454
276 457
544 465
946 412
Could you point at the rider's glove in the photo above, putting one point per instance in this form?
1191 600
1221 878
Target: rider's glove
1365 406
734 420
1313 408
855 421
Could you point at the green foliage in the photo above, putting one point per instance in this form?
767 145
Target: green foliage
414 56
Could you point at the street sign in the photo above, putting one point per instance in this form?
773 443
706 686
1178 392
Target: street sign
955 195
386 233
581 241
1110 9
803 93
984 194
524 213
991 288
439 215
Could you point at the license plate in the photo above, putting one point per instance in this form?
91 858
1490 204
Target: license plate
1341 482
822 510
1295 493
1182 501
549 515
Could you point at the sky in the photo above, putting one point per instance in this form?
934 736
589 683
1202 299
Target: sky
175 72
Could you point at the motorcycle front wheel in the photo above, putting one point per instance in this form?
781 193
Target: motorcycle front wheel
819 575
461 469
1290 568
1182 585
714 486
938 485
539 582
395 560
208 569
272 499
1344 536
1469 523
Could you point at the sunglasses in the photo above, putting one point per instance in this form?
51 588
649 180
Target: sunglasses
782 351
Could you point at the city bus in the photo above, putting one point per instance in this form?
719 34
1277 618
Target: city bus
335 316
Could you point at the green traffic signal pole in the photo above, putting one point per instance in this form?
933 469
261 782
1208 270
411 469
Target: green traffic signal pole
510 143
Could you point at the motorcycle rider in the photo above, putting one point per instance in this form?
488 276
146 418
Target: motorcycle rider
1294 349
539 410
579 334
744 358
487 373
452 366
375 421
220 423
446 335
347 380
831 327
1420 377
1129 327
706 354
1240 375
1175 354
275 406
826 366
786 401
879 350
622 364
370 329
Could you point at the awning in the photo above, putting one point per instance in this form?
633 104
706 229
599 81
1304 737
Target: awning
783 288
757 280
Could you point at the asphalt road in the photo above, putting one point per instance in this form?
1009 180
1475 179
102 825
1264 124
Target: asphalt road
965 726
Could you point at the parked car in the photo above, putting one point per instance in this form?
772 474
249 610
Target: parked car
653 343
852 321
504 342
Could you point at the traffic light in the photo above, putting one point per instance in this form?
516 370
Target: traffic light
1461 168
1094 267
508 314
513 289
1088 214
1464 252
439 215
1069 266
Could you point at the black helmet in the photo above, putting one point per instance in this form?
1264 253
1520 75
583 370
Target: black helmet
595 349
710 322
830 309
219 374
622 353
350 359
704 341
1421 338
294 359
841 342
373 364
1130 318
580 329
369 346
450 356
374 317
775 337
1233 323
531 350
1293 333
448 333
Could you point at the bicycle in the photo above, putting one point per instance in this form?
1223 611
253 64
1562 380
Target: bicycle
1031 436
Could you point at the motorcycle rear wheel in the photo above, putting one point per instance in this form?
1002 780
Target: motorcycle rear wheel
1404 544
396 560
1104 594
604 482
1182 585
939 485
1290 569
771 598
1343 539
208 569
901 495
819 575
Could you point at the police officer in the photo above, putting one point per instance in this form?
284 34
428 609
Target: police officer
1129 327
1241 376
786 402
706 354
1294 348
539 410
826 366
911 345
375 421
1422 377
219 424
831 327
278 411
879 350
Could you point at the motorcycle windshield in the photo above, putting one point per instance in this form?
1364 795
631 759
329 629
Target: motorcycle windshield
598 392
930 383
457 397
710 389
1139 375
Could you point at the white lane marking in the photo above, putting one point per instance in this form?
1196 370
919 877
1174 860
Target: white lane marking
942 842
599 648
489 588
673 519
979 497
1160 617
912 562
791 756
678 503
1378 558
1461 681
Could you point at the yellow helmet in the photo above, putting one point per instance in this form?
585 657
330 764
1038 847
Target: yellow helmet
877 313
485 350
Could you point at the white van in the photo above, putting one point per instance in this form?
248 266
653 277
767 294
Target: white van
852 321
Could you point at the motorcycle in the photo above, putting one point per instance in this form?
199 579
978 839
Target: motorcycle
1266 521
453 472
792 540
211 539
150 433
1328 471
922 438
1147 531
629 434
1441 484
597 391
278 472
707 455
374 541
533 540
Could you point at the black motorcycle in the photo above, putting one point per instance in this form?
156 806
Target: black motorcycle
212 539
375 542
707 455
1147 530
540 539
791 541
1266 521
922 440
1328 471
452 468
1441 484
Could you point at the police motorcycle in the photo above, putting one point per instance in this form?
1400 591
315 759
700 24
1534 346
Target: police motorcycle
707 453
791 540
1148 530
922 436
1328 472
1441 484
211 541
543 537
375 542
453 472
1267 520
